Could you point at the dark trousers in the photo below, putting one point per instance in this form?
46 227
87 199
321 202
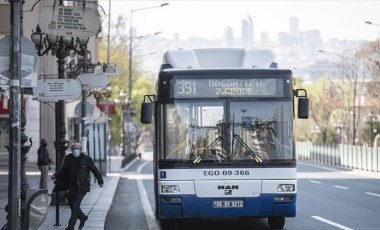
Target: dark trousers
75 199
44 176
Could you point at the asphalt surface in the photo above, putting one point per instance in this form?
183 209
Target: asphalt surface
328 198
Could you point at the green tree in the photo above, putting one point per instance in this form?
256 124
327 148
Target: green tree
370 54
324 97
302 126
352 86
141 83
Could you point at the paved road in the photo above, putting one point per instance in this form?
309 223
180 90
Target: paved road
328 198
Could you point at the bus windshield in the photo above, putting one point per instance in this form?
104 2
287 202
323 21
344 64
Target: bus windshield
228 131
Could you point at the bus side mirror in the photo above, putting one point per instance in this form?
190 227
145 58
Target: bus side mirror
146 112
147 109
303 108
303 103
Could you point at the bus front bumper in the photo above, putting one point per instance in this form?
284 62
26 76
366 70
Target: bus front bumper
191 206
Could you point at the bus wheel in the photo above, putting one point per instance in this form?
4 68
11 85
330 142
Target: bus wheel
276 222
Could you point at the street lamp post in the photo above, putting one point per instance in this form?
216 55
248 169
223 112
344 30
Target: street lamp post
129 109
14 189
340 125
131 43
122 101
98 94
371 23
60 47
108 93
370 119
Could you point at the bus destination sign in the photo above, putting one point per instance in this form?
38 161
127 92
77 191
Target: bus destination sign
214 88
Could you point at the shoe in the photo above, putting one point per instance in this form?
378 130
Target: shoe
82 222
69 228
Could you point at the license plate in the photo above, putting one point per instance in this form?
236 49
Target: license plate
228 204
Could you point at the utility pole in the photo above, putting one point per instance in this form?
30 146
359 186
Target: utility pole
84 98
14 178
84 106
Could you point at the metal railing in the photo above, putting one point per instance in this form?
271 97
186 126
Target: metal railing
348 156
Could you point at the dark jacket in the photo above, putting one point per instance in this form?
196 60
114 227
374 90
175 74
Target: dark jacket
43 156
86 165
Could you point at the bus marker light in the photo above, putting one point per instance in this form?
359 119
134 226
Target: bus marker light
285 188
169 188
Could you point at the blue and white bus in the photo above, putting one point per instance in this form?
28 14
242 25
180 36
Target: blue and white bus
224 136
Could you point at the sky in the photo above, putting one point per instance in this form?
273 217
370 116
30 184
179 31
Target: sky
339 19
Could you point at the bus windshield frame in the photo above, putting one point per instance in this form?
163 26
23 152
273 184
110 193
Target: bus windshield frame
225 130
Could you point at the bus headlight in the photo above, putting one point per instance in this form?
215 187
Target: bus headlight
169 188
286 188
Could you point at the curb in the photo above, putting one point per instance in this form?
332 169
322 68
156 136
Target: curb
98 213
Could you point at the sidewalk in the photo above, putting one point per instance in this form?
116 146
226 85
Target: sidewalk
95 204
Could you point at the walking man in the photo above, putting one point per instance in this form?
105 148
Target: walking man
75 177
43 163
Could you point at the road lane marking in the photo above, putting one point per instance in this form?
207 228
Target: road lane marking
315 182
331 223
149 216
126 168
341 187
138 177
6 173
372 194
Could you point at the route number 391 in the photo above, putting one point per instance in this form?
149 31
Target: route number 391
186 87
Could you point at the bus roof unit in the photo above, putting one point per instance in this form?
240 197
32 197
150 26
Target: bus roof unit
219 58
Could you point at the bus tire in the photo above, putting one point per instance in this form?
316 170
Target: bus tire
276 222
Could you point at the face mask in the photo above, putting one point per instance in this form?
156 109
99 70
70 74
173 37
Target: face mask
76 152
44 145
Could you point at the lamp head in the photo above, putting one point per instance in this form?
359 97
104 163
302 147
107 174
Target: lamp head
52 39
83 41
38 38
67 40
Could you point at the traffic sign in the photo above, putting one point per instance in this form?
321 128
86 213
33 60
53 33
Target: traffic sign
55 89
89 109
93 80
28 58
29 81
113 70
74 21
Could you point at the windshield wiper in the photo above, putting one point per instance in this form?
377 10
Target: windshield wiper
204 153
255 156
